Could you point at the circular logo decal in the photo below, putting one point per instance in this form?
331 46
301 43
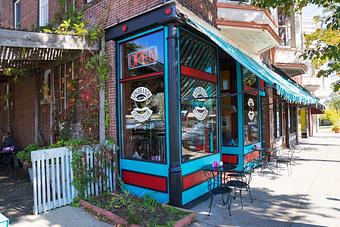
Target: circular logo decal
141 96
200 112
251 102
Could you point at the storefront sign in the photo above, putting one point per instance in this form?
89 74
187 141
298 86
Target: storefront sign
140 95
200 112
141 58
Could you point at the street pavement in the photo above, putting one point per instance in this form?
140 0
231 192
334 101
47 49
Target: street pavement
310 196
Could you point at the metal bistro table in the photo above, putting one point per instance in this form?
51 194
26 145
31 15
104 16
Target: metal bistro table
215 177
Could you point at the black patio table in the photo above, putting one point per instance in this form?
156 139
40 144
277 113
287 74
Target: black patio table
216 182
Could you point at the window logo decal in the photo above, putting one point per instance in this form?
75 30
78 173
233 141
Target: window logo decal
141 96
251 114
200 112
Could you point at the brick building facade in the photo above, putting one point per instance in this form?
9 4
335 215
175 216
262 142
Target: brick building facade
103 13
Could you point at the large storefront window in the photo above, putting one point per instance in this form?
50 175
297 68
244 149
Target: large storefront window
142 98
277 117
198 97
229 106
251 116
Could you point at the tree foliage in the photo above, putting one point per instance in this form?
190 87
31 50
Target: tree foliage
323 45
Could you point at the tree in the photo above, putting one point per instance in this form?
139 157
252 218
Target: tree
323 45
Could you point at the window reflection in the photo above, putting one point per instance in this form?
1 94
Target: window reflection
229 106
142 98
251 118
198 97
198 118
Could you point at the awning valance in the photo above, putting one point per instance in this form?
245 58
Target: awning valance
286 89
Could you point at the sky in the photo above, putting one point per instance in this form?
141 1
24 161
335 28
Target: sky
311 11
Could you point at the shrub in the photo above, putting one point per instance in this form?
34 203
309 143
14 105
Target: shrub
25 155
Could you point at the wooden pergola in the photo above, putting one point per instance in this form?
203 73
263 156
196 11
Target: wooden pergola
31 50
38 51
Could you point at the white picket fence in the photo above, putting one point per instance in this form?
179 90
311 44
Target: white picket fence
52 177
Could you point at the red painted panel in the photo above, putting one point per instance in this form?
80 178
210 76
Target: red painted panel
230 158
262 84
252 90
153 182
193 179
145 76
185 70
251 156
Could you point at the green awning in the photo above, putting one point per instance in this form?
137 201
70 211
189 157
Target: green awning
285 88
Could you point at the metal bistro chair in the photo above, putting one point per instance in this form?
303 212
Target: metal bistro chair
216 187
284 159
240 180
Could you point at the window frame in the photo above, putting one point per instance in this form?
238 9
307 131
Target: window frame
122 80
43 21
277 104
217 83
255 92
17 21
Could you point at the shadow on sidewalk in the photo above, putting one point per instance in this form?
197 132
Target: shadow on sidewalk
268 209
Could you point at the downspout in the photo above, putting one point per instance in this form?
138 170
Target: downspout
102 99
36 111
175 171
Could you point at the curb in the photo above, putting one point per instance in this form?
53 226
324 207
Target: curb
104 213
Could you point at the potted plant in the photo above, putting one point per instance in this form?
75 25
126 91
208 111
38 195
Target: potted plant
336 129
25 157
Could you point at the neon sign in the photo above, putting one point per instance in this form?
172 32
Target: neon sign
141 58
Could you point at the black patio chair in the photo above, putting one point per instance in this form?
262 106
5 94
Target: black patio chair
284 159
240 180
217 187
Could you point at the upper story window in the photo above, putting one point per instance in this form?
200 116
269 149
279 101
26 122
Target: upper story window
43 12
284 27
17 14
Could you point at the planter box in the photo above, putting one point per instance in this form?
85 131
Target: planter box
3 221
117 220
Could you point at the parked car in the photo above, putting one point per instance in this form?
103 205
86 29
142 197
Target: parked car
194 137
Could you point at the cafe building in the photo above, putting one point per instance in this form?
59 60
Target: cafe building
186 97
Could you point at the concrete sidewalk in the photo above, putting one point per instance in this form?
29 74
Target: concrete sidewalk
309 197
62 217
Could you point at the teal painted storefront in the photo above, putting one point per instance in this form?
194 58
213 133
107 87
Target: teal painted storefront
164 146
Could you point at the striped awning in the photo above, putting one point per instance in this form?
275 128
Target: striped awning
285 88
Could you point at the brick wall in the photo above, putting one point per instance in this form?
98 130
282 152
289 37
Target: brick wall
6 17
23 110
3 110
111 90
206 9
29 13
268 119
